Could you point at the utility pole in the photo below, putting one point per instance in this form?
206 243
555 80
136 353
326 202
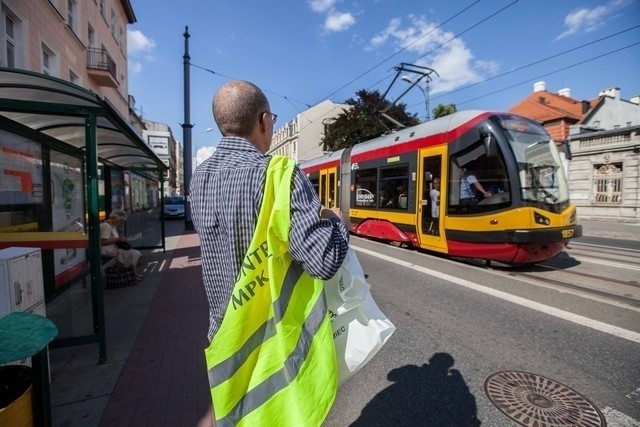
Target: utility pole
186 133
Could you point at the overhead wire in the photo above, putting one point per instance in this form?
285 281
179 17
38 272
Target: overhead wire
550 73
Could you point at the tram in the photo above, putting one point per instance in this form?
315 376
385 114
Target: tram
417 187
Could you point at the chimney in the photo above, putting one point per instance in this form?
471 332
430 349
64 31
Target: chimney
566 92
585 107
612 92
635 100
539 86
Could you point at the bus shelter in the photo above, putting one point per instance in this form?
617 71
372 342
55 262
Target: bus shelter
67 158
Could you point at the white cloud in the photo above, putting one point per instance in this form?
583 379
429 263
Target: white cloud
450 58
321 6
584 20
138 43
203 154
134 67
339 21
139 47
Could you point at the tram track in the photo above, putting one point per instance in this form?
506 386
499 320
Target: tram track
634 302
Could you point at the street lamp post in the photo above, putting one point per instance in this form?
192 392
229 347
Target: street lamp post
424 91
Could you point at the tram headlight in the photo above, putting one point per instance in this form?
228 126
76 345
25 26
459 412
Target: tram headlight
541 219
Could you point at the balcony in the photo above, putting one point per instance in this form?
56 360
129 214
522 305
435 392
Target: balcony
101 67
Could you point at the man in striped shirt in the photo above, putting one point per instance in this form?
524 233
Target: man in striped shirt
226 196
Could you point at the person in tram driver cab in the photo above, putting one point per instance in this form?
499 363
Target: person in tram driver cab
469 185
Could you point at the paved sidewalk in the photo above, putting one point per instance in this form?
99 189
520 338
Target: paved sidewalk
164 381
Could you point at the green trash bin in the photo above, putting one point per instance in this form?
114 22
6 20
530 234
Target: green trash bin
16 405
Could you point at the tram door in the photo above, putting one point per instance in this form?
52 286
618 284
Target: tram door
328 187
433 191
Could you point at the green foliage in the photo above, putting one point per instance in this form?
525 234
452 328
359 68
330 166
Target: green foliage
361 122
444 110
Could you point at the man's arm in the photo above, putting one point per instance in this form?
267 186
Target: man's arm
319 239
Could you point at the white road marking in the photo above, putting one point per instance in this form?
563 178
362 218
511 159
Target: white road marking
552 311
607 263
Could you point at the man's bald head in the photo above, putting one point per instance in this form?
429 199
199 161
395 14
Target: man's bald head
237 107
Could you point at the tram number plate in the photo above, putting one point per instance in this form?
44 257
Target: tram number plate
567 234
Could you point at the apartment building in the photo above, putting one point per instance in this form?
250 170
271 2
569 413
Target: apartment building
160 138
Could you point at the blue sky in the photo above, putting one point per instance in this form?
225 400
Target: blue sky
487 54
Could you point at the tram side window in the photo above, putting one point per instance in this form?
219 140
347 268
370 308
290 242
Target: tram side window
394 185
365 188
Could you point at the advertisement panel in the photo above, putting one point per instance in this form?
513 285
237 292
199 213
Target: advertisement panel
67 194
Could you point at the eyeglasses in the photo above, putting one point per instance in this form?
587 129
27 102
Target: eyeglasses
274 117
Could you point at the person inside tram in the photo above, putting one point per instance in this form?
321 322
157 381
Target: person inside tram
469 185
434 198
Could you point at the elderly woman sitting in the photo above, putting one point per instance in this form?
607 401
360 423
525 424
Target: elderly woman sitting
109 237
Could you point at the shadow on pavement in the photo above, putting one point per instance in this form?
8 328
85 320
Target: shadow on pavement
429 395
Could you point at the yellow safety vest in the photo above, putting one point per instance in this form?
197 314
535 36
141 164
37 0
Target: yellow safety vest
272 361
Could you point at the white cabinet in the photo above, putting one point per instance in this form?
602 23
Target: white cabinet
21 282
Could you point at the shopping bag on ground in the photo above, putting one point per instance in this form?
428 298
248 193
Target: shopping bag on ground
360 328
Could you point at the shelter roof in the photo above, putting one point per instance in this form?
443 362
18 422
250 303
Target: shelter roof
60 109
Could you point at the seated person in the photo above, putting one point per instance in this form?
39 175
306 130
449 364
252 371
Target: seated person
108 238
469 184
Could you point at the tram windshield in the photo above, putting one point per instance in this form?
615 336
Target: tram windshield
540 168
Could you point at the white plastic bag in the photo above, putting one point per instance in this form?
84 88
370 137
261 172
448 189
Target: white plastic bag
360 329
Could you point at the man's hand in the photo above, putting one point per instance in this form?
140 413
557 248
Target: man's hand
331 213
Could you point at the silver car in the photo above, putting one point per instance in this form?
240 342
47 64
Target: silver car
174 207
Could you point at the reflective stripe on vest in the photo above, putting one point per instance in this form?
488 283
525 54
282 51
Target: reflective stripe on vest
272 361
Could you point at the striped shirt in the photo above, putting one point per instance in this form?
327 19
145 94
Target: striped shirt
226 195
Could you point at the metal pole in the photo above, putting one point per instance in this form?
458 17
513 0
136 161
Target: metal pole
426 102
186 133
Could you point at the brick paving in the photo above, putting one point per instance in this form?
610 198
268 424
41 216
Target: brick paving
164 382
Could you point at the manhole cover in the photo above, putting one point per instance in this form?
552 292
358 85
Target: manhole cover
533 400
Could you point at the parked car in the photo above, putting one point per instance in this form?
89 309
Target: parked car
174 207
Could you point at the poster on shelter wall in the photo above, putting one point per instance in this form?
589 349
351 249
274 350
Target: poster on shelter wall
20 170
67 210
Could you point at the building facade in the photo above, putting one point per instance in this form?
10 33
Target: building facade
160 138
301 138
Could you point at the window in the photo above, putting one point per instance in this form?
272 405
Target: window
365 185
91 36
12 40
394 183
72 15
113 23
73 77
49 61
607 184
478 183
46 61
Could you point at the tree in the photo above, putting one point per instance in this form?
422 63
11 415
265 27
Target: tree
361 121
444 110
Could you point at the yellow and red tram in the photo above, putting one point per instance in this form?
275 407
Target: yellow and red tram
417 187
